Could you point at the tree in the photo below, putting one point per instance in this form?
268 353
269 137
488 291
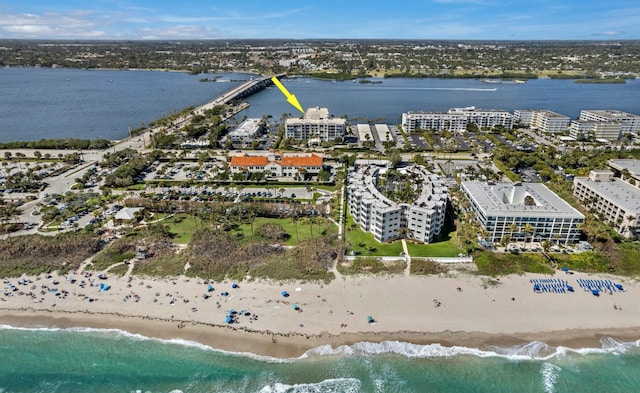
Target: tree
528 228
294 220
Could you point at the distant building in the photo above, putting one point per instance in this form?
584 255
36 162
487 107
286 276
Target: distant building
616 201
542 120
315 126
246 132
278 165
456 119
511 209
605 124
364 133
421 220
438 121
598 131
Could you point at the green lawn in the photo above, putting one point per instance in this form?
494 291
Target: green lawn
184 226
444 248
301 230
363 243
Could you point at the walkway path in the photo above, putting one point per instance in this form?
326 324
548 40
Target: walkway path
407 270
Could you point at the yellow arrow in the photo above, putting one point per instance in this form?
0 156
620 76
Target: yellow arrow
291 98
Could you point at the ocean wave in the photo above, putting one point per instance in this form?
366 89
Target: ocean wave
535 350
118 333
346 385
550 373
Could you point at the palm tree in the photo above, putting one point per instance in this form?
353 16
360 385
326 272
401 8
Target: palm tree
311 220
528 228
294 220
512 228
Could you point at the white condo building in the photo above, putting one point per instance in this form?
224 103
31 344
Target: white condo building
247 131
542 120
616 201
315 126
456 119
522 212
386 220
608 125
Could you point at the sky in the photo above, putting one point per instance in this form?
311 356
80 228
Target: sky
351 19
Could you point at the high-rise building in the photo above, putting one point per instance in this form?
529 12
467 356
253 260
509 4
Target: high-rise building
315 126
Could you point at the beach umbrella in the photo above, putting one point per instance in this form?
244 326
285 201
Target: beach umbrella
210 288
569 288
295 307
234 285
369 319
225 293
229 319
285 293
619 286
595 292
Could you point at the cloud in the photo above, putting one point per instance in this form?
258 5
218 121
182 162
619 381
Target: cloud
179 32
49 25
608 33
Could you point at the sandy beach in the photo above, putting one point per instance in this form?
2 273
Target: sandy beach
463 309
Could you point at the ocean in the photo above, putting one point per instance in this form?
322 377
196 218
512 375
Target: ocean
94 360
38 103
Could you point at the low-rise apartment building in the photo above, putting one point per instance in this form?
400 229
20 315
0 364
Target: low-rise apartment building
542 120
522 212
247 131
609 125
421 220
456 119
614 200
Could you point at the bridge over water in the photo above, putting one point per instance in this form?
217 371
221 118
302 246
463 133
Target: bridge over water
243 91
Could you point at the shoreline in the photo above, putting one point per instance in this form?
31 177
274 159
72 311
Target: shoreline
465 311
288 346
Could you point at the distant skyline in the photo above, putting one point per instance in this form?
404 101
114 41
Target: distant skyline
356 19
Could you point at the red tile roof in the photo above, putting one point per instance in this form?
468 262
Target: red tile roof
312 160
249 161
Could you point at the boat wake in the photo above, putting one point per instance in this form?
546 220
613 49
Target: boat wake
446 88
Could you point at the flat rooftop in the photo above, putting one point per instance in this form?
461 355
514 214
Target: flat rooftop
617 191
611 114
508 199
555 115
632 165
